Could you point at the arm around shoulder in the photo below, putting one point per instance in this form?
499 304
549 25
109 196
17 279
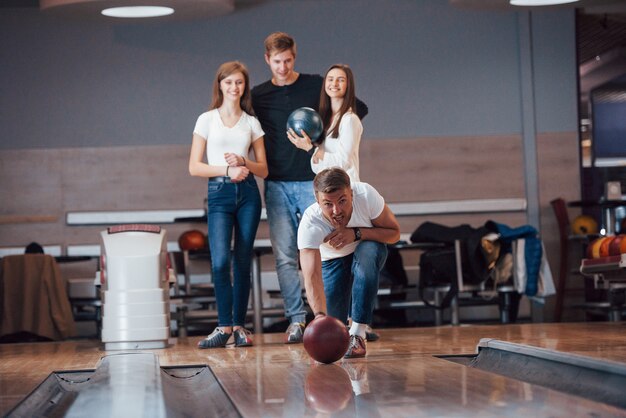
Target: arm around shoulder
361 108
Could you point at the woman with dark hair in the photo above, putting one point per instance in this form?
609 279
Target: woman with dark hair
340 147
226 133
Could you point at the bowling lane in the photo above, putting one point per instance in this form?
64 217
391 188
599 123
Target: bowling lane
399 377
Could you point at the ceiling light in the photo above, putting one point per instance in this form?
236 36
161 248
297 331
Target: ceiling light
540 2
168 10
137 11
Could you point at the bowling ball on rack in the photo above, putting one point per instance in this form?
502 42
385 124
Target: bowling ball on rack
594 248
326 339
193 240
584 225
616 243
307 120
604 245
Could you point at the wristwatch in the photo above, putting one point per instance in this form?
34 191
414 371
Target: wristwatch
357 234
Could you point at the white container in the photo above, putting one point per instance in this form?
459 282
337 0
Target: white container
134 277
137 309
135 296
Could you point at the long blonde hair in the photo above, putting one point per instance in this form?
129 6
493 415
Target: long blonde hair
225 70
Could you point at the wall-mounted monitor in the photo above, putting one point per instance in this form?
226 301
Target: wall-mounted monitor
609 126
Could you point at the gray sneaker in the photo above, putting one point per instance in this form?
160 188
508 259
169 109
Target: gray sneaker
218 338
294 333
242 337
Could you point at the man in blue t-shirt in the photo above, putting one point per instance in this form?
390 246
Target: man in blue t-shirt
289 185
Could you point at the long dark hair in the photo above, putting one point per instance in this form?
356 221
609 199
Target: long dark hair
349 100
225 70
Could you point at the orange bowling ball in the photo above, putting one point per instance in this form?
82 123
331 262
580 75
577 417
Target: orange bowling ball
593 250
584 225
192 240
604 245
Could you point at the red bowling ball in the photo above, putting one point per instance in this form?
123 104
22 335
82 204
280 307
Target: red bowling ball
326 339
615 244
192 240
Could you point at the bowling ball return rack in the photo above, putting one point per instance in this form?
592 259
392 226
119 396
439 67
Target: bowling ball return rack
609 273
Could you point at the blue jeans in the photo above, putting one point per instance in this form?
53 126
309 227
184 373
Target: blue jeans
285 202
354 279
232 206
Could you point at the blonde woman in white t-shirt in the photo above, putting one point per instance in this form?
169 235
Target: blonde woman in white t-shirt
340 147
226 133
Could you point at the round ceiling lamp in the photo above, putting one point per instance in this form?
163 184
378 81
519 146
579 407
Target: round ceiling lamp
540 2
110 10
134 12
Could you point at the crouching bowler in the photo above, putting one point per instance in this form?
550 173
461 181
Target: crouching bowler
342 241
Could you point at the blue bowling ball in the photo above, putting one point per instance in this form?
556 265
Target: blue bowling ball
308 120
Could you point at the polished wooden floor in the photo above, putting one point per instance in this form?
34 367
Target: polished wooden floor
400 377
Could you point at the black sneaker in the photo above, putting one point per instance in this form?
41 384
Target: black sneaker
370 335
242 337
218 338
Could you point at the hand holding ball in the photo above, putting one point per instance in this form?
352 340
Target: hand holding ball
307 120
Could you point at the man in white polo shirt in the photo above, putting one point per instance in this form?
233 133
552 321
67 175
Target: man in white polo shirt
342 241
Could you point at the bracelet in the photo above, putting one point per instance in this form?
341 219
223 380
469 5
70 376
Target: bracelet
244 161
320 313
227 167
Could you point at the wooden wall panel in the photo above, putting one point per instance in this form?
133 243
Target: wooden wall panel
430 169
130 178
155 177
31 183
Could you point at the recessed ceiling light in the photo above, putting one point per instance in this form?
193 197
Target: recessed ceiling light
540 2
138 11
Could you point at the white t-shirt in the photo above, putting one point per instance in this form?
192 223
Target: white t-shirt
343 151
221 139
367 204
